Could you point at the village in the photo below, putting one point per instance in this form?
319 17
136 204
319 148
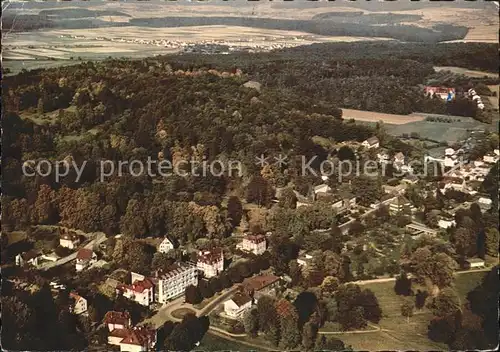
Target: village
204 284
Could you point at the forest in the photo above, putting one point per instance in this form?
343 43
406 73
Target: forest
195 108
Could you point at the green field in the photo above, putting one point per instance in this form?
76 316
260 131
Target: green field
397 333
214 343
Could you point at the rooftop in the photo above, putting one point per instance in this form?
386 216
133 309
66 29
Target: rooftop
241 298
85 254
114 317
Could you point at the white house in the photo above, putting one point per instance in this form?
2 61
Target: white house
253 243
85 258
69 239
474 263
141 290
210 262
117 320
484 203
399 204
445 223
165 246
304 259
323 188
31 257
79 304
383 157
237 305
371 142
490 158
399 160
173 282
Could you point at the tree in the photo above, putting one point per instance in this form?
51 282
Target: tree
259 191
330 284
366 189
251 322
371 307
443 329
289 329
309 333
132 223
437 268
407 309
161 261
193 295
353 319
445 303
420 298
492 239
234 210
215 284
403 285
288 199
205 290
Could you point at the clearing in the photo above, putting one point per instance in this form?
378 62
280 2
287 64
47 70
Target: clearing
371 116
397 333
466 72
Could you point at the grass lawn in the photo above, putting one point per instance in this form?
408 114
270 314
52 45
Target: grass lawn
214 343
466 282
397 333
15 236
181 312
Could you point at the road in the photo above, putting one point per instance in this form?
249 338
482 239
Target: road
164 314
100 238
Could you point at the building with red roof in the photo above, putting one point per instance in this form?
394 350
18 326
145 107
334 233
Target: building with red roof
137 339
210 262
253 243
85 258
141 290
117 320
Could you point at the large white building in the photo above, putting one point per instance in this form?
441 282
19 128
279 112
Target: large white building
210 262
253 243
173 282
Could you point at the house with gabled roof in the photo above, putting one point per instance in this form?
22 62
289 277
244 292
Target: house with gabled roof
117 320
371 143
210 262
85 258
136 339
30 257
78 304
68 239
237 306
141 290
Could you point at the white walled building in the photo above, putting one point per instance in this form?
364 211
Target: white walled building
371 142
211 262
173 283
236 307
141 290
69 239
79 304
253 243
85 258
165 246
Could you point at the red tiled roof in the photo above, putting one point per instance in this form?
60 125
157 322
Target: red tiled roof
256 238
123 333
259 282
241 298
138 286
84 254
113 317
212 256
139 336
